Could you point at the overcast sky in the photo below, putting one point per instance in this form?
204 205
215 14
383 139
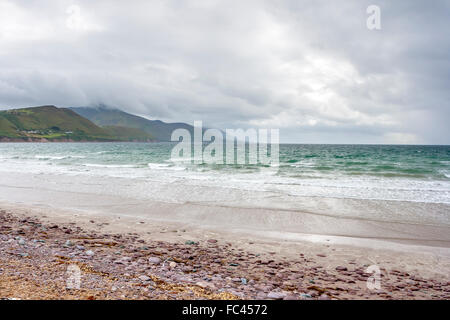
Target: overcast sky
310 68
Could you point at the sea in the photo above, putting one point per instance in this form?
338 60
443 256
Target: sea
387 183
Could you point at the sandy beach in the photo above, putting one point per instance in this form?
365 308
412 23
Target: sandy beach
130 258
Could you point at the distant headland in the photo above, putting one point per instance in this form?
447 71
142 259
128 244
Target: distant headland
81 124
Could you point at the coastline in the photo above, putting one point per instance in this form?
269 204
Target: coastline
326 220
195 263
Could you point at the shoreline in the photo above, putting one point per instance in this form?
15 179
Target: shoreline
365 223
271 269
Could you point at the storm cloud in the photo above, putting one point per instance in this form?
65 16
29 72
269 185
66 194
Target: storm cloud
311 68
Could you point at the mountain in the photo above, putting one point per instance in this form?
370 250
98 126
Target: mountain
103 116
60 124
128 134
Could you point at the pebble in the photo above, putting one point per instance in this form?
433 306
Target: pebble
202 284
205 284
312 294
154 260
276 295
144 278
90 253
341 268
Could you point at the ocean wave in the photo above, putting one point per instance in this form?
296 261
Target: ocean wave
96 165
165 166
47 157
50 157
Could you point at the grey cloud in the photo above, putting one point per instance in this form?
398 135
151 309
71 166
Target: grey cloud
311 68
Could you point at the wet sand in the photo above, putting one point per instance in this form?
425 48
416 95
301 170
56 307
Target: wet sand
368 223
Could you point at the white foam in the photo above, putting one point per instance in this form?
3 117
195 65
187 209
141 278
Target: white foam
96 165
165 166
50 157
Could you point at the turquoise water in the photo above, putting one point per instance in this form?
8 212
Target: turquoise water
414 162
386 172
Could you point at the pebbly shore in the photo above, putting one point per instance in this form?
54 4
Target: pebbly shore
38 260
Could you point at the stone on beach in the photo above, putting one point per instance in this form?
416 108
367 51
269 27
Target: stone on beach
90 253
144 278
205 284
276 295
154 260
68 243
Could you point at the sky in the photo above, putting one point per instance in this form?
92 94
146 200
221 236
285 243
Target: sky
311 68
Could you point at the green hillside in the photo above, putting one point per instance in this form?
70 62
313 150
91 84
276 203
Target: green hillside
52 123
102 116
